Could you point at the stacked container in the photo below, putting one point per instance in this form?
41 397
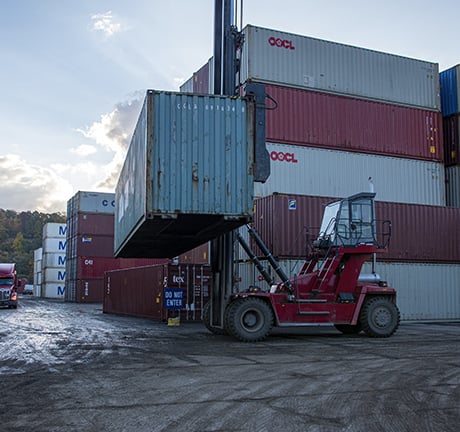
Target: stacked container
340 118
54 260
38 254
450 104
90 246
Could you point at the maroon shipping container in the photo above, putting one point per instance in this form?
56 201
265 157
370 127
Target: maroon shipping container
198 255
201 80
90 223
94 267
139 291
314 119
89 291
421 233
90 245
451 134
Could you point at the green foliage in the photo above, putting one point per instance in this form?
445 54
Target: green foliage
20 234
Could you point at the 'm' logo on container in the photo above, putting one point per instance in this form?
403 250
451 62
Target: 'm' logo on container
281 43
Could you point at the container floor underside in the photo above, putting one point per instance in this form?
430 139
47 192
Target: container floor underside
166 238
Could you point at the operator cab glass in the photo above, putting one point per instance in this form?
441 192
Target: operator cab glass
349 222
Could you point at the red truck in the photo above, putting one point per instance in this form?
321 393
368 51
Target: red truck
8 285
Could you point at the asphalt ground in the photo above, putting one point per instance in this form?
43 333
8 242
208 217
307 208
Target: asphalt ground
69 367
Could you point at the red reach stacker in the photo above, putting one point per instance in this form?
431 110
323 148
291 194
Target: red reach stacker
329 289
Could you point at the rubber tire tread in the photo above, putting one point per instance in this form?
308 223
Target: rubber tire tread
369 305
233 319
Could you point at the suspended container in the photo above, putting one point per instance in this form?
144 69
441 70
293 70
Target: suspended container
187 177
313 171
283 58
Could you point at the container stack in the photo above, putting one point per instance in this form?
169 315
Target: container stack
450 105
38 254
90 240
53 261
342 117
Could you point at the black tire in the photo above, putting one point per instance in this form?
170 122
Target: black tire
348 328
249 319
207 321
379 317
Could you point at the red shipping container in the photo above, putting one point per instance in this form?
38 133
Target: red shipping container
140 291
94 267
314 119
420 233
451 133
93 245
201 80
89 291
94 223
198 255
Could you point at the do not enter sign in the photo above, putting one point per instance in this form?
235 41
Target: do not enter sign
174 298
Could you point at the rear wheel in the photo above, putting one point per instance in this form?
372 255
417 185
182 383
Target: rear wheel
348 328
249 319
207 321
379 317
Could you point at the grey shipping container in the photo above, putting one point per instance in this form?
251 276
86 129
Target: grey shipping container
425 291
91 202
299 61
312 171
453 186
187 177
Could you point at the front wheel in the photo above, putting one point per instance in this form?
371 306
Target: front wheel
249 319
379 317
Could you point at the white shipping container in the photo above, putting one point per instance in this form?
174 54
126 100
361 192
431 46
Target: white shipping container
38 278
424 291
91 202
38 254
52 229
53 290
453 186
331 173
56 245
37 290
54 275
54 259
300 61
38 265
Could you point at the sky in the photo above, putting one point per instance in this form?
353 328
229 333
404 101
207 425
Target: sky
73 73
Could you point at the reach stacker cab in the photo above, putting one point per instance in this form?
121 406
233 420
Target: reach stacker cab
329 289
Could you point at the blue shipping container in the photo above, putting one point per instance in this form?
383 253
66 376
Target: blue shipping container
450 90
187 177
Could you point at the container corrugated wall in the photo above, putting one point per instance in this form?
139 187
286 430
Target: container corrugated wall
283 222
187 86
451 134
91 202
424 291
313 171
278 57
453 186
450 90
187 174
314 119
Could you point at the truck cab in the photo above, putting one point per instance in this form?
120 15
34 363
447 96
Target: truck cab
8 285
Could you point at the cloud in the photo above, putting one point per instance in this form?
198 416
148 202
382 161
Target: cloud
31 187
105 22
113 133
84 150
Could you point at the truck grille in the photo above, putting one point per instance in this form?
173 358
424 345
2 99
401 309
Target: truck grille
4 294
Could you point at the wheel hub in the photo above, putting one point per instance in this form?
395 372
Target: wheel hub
382 317
251 320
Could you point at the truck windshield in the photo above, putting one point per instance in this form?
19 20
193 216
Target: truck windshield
6 281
